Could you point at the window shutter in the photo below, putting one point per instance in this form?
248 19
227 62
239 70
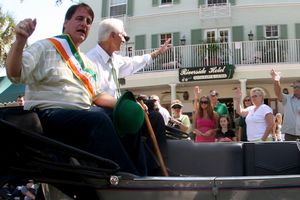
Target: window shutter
176 1
154 3
232 2
130 7
154 41
260 32
237 33
196 36
104 12
297 31
176 39
140 41
283 31
201 2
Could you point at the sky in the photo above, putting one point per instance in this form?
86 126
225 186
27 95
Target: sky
49 16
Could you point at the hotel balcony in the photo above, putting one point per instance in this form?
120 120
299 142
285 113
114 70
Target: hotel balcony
236 53
252 60
215 11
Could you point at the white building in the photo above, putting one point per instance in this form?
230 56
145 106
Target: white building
254 36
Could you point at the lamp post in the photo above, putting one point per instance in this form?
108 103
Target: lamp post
250 35
182 40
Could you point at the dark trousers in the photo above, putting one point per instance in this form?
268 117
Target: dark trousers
93 131
289 137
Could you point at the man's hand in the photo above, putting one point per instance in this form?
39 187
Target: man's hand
163 49
25 28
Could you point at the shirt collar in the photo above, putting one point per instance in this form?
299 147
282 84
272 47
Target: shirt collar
105 57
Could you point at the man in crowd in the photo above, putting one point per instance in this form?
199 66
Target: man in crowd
219 107
291 107
20 100
163 111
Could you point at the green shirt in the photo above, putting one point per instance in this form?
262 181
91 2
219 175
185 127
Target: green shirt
221 109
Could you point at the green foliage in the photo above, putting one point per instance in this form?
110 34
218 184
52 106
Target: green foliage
7 34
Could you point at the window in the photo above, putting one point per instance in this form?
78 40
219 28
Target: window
211 36
271 31
118 7
164 38
166 2
223 36
216 36
216 2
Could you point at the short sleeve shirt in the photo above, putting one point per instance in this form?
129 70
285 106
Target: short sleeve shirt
49 81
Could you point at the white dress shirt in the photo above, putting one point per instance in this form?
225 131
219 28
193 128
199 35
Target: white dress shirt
124 66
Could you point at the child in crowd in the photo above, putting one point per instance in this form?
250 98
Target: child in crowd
225 133
277 128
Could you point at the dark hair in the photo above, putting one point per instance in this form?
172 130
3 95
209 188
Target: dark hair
70 12
228 120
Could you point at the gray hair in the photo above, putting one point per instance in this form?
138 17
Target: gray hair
259 90
107 26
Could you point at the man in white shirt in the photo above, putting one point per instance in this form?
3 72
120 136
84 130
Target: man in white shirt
163 111
111 35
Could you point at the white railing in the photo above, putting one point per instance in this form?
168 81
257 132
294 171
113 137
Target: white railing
236 53
215 11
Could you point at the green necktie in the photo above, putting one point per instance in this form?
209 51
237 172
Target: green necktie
115 77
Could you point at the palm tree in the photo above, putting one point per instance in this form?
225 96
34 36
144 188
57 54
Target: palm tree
7 35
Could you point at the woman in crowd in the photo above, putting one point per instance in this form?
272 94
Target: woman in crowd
224 132
204 118
259 116
242 132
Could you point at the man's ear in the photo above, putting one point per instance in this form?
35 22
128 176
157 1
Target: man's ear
113 34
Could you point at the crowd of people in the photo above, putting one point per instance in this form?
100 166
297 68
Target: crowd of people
78 94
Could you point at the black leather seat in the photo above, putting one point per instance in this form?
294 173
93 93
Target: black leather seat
271 158
205 159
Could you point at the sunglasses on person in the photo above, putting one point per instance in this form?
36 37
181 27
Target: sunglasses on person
203 102
247 100
176 107
126 38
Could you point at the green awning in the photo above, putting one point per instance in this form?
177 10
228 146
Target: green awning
8 91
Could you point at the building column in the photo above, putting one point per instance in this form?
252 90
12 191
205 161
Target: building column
173 91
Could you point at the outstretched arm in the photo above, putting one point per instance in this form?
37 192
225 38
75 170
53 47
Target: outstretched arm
163 49
14 58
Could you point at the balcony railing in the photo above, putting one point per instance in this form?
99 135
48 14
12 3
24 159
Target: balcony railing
236 53
215 11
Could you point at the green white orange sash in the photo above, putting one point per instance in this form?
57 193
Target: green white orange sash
66 48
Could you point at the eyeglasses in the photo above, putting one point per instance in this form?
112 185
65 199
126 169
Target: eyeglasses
203 102
176 107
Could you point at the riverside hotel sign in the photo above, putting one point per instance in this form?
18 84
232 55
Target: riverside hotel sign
206 73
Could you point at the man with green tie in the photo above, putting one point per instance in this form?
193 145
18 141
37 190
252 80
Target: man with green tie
111 36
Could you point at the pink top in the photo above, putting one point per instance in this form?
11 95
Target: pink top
204 125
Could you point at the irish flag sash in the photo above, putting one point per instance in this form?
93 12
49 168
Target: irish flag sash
66 48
